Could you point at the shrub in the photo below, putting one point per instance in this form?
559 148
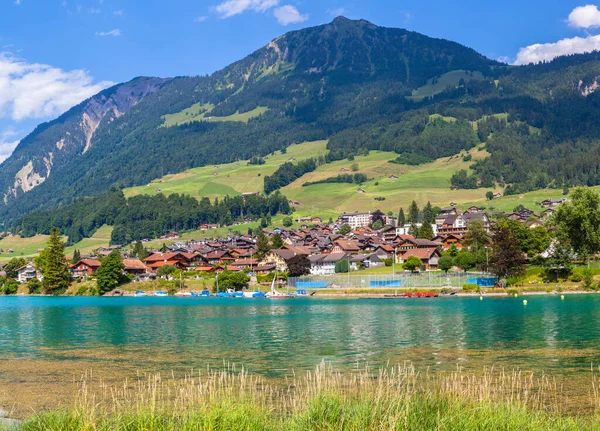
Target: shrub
471 288
588 279
11 287
34 285
576 278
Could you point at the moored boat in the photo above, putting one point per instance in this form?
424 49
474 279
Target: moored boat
160 293
139 293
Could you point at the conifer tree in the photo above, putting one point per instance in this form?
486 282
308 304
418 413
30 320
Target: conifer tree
428 217
413 213
426 231
56 277
110 273
401 218
76 256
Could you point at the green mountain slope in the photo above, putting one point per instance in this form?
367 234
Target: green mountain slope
360 86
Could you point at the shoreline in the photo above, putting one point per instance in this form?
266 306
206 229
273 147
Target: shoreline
373 295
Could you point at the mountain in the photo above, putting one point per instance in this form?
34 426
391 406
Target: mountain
361 86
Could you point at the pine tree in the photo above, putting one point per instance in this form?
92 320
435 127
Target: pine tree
413 230
401 218
55 271
262 243
139 251
110 273
426 231
413 213
76 256
276 241
428 217
163 249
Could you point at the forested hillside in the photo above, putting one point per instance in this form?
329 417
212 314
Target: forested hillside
361 86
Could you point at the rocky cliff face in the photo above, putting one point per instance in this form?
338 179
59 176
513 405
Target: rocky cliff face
64 140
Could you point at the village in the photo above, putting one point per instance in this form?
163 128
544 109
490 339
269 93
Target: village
357 241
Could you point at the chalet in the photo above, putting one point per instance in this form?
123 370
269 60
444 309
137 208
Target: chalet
453 188
245 263
393 177
84 267
206 226
295 203
447 241
205 269
412 244
497 195
384 251
361 190
28 272
219 257
134 266
429 256
551 203
245 194
458 224
344 170
473 209
316 220
345 246
176 259
105 251
279 257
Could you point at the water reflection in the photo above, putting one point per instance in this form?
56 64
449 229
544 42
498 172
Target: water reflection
273 337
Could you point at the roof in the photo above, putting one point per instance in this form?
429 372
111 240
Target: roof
163 256
133 264
284 253
89 262
421 253
347 245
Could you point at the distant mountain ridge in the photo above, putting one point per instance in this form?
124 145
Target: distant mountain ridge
348 81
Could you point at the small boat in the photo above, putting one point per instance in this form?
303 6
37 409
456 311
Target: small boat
205 293
160 293
273 294
300 293
140 293
230 293
183 294
254 294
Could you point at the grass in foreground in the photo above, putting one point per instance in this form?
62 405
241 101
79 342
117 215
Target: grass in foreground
392 399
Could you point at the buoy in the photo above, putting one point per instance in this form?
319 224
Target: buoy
524 302
481 298
516 295
562 297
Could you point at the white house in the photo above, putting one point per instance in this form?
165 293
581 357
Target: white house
403 230
324 264
28 272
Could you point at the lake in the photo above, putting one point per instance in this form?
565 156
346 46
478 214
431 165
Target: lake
47 342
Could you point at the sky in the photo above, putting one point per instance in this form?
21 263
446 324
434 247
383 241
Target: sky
56 53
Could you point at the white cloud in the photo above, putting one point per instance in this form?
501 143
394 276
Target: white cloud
31 90
504 59
114 32
118 12
585 17
235 7
548 51
7 143
337 11
200 19
17 2
289 15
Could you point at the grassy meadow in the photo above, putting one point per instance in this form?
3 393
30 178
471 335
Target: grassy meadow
437 85
201 112
398 398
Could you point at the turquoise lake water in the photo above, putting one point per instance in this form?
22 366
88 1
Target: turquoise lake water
272 337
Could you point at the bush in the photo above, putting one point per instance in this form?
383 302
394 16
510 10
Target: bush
512 281
471 288
576 278
81 291
34 285
11 287
388 261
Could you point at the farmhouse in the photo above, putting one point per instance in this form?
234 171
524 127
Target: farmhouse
84 268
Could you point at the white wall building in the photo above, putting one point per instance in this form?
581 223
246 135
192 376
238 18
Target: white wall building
356 219
403 230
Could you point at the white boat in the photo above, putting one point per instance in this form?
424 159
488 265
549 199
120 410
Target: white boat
140 293
161 293
183 294
273 294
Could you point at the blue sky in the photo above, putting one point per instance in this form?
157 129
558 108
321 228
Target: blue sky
55 53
